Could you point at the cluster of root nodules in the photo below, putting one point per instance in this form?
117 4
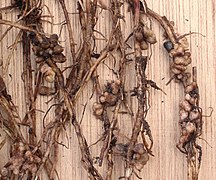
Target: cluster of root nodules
47 48
48 51
108 98
190 123
177 47
144 36
181 58
139 157
22 160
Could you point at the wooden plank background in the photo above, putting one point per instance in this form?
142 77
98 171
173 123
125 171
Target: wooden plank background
168 163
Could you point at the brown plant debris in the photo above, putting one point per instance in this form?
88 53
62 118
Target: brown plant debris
43 56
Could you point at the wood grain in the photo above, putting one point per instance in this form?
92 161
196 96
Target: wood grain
168 164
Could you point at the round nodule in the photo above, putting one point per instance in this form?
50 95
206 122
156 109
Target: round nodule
168 45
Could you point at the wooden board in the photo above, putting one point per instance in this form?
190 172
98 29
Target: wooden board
168 163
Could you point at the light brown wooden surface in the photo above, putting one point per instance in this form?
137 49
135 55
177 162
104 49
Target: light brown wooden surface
168 163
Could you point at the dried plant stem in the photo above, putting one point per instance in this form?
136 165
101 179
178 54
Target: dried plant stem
48 149
86 157
142 98
194 73
109 137
88 75
9 121
14 24
11 53
28 83
110 166
69 26
192 170
192 163
56 157
188 141
164 23
84 55
141 63
109 127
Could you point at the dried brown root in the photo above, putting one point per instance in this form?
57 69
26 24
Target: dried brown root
176 47
70 32
134 159
191 127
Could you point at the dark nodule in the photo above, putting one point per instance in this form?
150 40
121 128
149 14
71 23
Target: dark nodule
168 45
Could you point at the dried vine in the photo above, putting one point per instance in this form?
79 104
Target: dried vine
42 76
190 112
